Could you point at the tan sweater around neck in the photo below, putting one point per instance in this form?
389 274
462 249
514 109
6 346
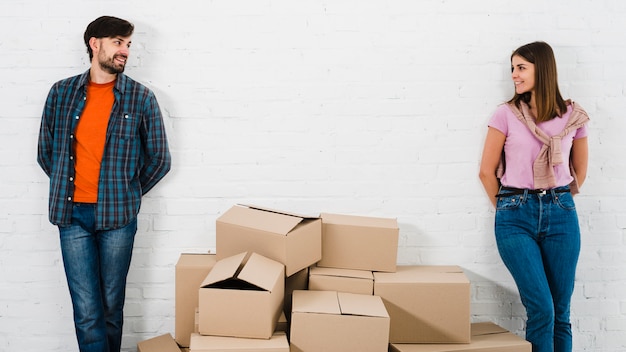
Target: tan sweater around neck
550 153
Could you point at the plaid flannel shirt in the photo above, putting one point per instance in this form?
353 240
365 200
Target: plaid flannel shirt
136 154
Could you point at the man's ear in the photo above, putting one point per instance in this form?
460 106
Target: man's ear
94 44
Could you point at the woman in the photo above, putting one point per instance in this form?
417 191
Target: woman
534 160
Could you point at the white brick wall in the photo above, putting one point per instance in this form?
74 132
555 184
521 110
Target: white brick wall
364 107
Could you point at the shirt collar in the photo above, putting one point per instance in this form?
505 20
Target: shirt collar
120 83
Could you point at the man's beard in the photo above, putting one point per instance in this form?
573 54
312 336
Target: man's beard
109 65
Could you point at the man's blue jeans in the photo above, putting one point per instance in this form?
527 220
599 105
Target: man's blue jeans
96 265
538 238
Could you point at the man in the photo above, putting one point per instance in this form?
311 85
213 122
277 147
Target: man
102 142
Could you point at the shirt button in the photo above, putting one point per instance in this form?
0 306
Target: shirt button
71 136
71 178
71 157
77 117
69 199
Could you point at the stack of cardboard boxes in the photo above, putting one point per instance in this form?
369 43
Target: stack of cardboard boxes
285 282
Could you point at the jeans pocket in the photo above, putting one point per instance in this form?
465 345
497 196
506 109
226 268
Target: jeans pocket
509 202
565 201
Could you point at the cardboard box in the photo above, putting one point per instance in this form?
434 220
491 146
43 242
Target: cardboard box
190 270
330 321
163 343
342 280
486 337
359 242
242 296
291 239
427 304
283 324
276 343
196 325
297 281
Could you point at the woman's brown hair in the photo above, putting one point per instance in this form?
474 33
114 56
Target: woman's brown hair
548 98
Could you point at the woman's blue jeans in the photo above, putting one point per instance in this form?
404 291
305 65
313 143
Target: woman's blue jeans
538 238
96 266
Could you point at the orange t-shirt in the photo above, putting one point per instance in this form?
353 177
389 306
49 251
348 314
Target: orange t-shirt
90 137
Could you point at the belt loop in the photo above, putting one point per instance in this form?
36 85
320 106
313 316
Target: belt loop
525 196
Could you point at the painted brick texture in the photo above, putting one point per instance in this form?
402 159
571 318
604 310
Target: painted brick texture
361 107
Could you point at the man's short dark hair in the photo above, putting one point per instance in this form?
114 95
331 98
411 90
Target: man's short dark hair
107 27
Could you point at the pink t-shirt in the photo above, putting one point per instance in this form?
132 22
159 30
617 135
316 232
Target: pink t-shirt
521 147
